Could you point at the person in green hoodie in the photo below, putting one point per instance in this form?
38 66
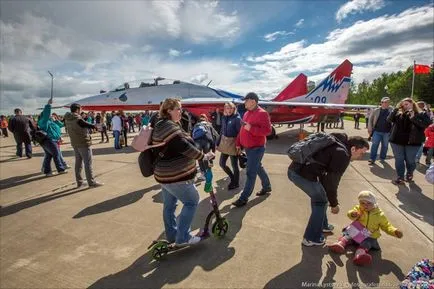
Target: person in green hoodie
50 145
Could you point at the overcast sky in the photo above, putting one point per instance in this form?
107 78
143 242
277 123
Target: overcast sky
240 46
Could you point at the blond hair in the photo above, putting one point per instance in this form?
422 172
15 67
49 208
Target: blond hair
415 107
169 104
232 105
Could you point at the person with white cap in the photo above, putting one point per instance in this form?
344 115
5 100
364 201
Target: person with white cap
379 130
371 217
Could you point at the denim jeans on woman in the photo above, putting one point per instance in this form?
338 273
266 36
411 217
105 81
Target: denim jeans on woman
187 193
254 168
52 151
405 158
378 137
318 202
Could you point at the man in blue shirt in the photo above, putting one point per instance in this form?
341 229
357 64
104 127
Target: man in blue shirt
379 130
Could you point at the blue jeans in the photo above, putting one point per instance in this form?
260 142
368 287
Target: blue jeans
254 168
51 152
318 203
419 153
405 157
187 193
117 134
378 137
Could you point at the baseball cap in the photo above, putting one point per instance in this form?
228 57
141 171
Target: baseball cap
251 95
384 99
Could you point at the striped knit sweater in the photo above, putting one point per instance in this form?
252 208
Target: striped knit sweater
179 160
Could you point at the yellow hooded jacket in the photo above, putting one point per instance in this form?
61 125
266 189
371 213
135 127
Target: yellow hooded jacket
373 221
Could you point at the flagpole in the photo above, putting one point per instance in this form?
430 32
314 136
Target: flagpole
412 83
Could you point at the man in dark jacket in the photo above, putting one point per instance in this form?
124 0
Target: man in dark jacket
78 131
20 126
320 181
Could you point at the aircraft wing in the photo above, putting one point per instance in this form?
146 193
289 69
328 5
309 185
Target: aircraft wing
199 101
310 104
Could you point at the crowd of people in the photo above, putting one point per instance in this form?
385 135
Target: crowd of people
189 140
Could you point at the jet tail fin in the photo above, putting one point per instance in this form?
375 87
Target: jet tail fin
296 88
335 87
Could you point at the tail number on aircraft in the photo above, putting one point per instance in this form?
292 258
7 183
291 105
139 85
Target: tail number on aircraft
319 99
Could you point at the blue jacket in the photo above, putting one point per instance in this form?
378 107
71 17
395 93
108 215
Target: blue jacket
231 125
52 128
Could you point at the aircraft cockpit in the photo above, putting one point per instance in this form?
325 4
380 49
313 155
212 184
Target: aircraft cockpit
146 83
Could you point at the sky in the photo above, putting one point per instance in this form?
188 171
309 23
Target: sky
240 46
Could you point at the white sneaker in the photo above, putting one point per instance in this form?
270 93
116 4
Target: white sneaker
311 243
194 240
200 178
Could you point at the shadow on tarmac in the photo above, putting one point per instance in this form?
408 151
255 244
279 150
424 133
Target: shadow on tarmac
13 158
95 151
115 203
369 276
383 170
15 208
307 273
209 254
416 203
20 180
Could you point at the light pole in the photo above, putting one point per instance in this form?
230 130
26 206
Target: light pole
52 78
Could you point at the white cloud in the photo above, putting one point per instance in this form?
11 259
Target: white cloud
200 78
387 43
176 53
84 61
358 6
197 21
273 36
299 23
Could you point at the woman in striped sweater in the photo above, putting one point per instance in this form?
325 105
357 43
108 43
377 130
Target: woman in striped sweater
175 171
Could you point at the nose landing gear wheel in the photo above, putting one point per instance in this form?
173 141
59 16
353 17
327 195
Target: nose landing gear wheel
220 230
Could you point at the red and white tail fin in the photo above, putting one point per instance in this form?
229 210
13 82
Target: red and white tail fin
334 88
296 88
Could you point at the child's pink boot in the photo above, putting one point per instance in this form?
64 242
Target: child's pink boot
362 257
339 246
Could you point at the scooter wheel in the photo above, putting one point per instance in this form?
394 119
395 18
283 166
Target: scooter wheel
220 230
159 250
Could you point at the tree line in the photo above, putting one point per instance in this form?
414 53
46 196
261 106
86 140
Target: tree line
396 85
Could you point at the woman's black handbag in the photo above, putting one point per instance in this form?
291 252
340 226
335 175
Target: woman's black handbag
242 159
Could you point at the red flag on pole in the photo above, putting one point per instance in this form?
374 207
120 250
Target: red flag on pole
421 69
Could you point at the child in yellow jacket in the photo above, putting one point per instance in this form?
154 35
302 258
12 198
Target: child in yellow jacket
373 219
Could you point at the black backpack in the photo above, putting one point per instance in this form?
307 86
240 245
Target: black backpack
149 158
39 136
302 152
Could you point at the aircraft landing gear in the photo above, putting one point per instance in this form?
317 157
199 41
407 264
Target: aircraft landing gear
273 134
